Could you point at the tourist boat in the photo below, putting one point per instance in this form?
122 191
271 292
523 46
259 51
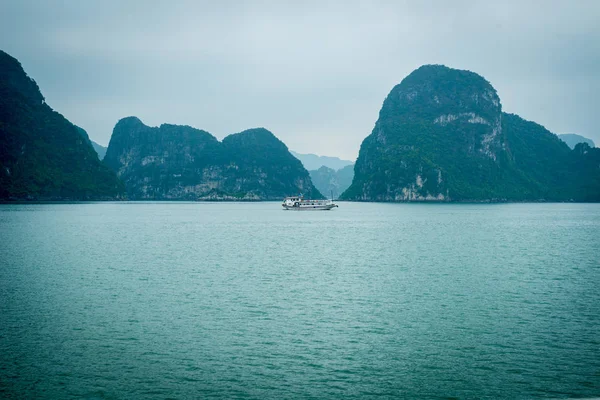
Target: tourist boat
299 203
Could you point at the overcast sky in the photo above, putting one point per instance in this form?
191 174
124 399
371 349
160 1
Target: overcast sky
314 73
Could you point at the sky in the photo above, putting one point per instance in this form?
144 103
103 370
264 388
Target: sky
315 73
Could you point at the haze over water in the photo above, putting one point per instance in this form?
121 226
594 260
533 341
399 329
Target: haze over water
243 300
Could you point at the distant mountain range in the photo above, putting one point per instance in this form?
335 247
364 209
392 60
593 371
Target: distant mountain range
442 136
332 183
572 140
313 161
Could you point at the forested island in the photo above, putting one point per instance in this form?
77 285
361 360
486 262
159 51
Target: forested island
441 136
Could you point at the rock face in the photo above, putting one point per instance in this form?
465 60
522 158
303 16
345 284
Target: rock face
331 182
173 162
442 136
572 139
42 155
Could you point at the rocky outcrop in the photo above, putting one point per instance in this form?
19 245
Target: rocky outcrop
442 136
174 162
43 156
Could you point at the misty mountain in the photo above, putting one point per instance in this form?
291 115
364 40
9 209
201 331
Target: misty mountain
314 162
100 150
572 139
331 182
442 136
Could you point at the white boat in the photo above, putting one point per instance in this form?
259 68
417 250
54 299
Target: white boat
299 203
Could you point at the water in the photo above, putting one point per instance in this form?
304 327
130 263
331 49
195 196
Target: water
201 300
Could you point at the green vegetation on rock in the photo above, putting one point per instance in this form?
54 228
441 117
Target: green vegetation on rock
183 163
442 136
42 155
100 150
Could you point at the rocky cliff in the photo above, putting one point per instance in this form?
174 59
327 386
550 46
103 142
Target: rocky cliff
442 136
42 155
174 162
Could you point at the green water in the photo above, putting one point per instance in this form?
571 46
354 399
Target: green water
226 300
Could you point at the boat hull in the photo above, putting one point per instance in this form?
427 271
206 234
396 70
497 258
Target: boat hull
298 203
310 208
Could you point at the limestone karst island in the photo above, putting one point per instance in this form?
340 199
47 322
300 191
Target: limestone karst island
441 135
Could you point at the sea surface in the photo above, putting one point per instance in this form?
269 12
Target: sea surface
245 300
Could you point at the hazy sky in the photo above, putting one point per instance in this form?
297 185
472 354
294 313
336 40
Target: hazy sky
314 73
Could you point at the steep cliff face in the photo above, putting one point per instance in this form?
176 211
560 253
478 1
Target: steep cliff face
42 155
180 162
442 136
434 118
